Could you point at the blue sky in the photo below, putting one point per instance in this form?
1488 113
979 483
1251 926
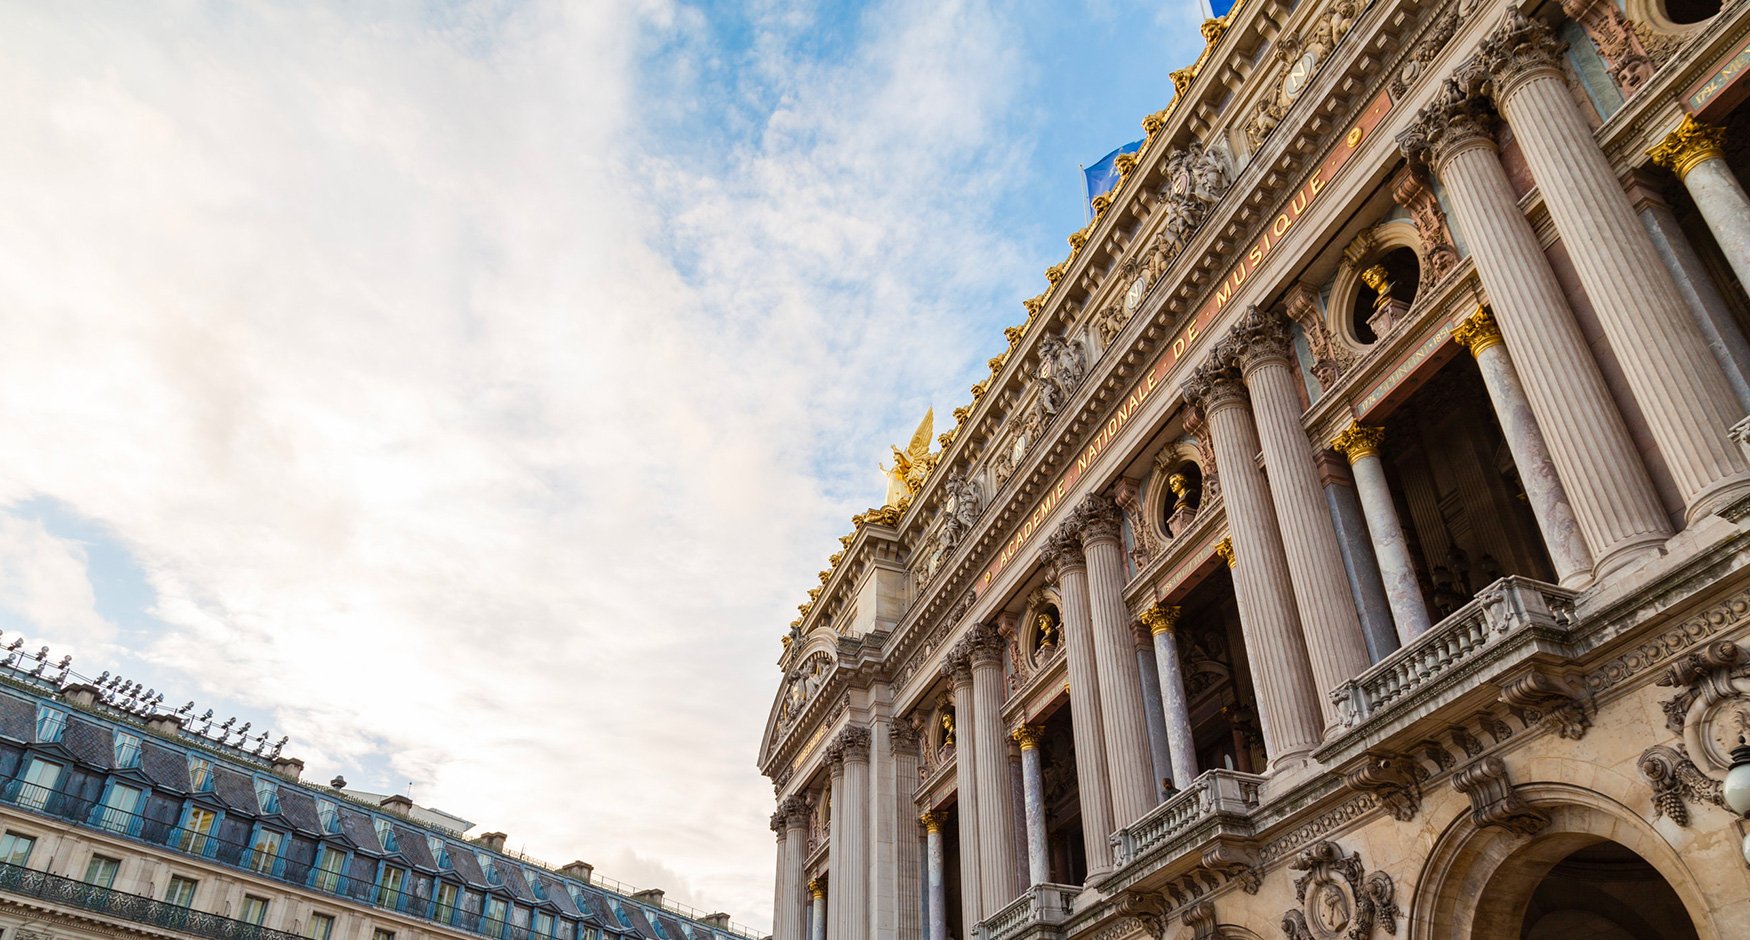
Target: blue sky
479 386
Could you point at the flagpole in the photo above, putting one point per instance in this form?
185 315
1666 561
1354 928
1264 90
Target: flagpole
1087 196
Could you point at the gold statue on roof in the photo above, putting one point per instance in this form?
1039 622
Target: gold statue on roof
912 466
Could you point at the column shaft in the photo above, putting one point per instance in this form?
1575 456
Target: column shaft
1084 701
817 912
996 823
1403 592
1289 715
936 869
1669 370
1162 623
1154 714
1725 209
1328 620
792 893
851 858
967 810
838 885
1134 790
1365 584
1033 791
1612 496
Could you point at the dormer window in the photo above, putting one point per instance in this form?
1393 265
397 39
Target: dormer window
330 815
535 884
491 870
127 751
200 775
440 855
385 834
51 724
267 795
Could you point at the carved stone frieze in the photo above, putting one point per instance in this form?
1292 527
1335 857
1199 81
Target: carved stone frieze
1299 57
1338 898
1493 800
1236 863
1677 782
1060 371
1396 779
1614 35
1537 696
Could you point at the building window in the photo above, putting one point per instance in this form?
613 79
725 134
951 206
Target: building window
127 751
385 834
440 856
101 871
328 868
389 886
491 870
446 903
40 777
15 848
330 814
496 917
320 927
543 924
265 853
121 806
197 831
254 910
51 724
267 795
200 775
181 891
381 934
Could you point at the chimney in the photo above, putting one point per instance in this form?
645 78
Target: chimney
168 725
650 896
288 769
718 920
399 805
491 840
579 870
82 695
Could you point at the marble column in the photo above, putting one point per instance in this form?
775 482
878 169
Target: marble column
898 859
957 666
1160 756
1134 790
1403 592
1669 369
1289 714
1611 495
1033 789
1696 153
849 885
792 898
1162 624
817 908
1365 584
1525 441
1328 620
996 822
935 862
1063 553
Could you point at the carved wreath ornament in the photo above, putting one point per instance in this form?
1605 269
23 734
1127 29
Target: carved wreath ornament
1710 711
1338 899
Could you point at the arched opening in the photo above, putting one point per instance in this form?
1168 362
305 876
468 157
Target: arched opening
1683 12
1604 891
1388 287
1044 635
1182 497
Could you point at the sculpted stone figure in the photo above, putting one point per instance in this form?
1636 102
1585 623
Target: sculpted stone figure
1048 632
947 730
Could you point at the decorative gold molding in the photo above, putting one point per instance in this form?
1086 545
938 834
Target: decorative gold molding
1358 441
1160 619
1478 332
1027 736
1690 145
1225 548
933 821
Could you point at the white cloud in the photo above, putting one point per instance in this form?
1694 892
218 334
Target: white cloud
44 580
460 417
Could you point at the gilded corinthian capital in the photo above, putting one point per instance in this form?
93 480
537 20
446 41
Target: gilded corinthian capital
1159 619
1477 332
1691 144
1358 441
1518 50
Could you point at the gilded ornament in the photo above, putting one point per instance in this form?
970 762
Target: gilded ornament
996 362
816 890
947 437
1101 203
1690 145
1056 272
1182 81
1078 238
1160 619
834 558
1477 332
1212 29
978 390
1027 736
1152 124
911 466
845 540
1375 277
1034 305
1013 334
961 413
1358 441
1124 163
1225 548
933 820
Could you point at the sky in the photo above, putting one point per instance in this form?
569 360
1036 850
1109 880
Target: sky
471 390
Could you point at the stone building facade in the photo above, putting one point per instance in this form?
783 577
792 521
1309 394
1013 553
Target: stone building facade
1350 542
120 817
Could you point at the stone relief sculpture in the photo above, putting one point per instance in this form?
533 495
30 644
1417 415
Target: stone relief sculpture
801 687
1338 898
1302 54
1060 371
1711 713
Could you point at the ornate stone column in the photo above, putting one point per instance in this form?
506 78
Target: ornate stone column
1537 471
779 902
1365 584
935 868
1063 552
957 666
1134 790
1612 496
1696 153
792 899
1288 708
996 824
1328 620
1033 788
1402 591
1669 369
896 866
1162 624
817 929
849 884
1154 715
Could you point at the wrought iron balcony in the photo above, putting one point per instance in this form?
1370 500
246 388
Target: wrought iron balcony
25 882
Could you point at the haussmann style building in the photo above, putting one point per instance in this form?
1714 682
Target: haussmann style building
121 817
1352 540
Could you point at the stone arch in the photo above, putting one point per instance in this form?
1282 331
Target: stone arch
1367 249
1476 882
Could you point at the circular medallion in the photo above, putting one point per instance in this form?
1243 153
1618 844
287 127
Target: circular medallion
1133 296
1299 76
1328 907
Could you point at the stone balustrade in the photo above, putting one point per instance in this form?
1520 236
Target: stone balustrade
1034 915
1224 797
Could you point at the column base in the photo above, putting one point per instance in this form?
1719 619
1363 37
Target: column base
1629 555
1717 497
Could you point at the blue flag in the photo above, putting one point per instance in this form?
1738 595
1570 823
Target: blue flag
1103 175
1214 9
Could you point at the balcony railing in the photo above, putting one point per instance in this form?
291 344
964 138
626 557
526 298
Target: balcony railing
205 844
1046 904
1505 608
1213 793
17 880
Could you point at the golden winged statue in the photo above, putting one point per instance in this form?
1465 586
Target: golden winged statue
912 465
